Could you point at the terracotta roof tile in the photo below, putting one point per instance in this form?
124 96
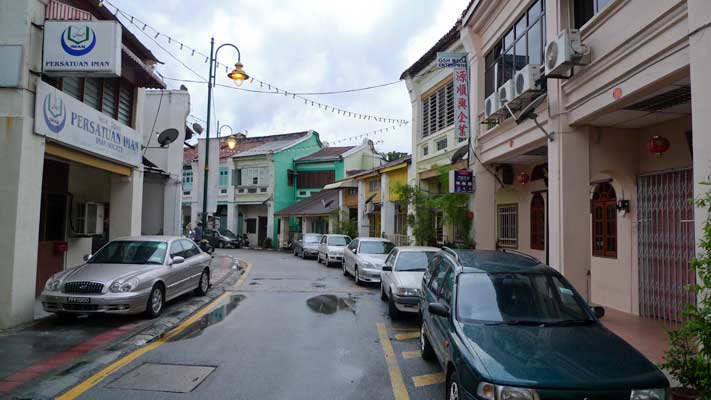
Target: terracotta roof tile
326 153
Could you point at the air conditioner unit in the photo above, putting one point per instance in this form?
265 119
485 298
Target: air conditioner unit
506 174
369 208
526 79
506 92
90 219
567 50
491 105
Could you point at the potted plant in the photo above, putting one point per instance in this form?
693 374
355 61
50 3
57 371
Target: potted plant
688 359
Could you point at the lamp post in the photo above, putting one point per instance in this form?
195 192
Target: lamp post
238 76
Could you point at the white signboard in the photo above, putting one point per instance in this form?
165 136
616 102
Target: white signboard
451 60
82 48
64 119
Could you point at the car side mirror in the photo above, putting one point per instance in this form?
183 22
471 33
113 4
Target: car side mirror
439 309
387 268
177 260
87 257
599 311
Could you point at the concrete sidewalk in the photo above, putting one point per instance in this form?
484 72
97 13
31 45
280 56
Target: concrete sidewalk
52 349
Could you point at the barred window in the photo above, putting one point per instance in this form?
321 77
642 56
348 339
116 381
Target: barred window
438 109
442 144
507 229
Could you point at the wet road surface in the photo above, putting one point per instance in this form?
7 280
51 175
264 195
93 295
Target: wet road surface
294 329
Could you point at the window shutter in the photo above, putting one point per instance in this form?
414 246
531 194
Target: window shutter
236 177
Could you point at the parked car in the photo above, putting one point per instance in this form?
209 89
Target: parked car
306 244
505 326
129 276
401 279
330 248
364 258
223 239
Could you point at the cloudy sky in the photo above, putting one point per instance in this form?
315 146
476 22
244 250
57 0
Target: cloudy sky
300 46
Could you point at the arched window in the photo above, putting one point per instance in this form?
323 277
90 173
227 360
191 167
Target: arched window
604 221
538 222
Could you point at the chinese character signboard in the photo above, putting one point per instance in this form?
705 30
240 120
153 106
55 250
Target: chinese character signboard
458 63
461 181
82 48
62 118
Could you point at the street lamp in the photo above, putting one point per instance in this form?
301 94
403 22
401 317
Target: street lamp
238 76
231 140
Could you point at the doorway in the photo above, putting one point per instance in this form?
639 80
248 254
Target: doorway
262 231
53 221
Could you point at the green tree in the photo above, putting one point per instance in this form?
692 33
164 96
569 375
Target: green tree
394 155
344 225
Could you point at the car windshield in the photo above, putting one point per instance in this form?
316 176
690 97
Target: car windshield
376 247
514 298
413 260
312 238
130 252
338 241
228 234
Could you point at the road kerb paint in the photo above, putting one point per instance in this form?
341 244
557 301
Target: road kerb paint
396 380
407 336
95 379
410 354
428 379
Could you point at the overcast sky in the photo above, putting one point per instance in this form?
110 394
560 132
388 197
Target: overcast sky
301 46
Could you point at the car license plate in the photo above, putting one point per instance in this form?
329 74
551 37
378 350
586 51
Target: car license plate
79 300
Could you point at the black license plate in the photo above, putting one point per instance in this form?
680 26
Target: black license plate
79 300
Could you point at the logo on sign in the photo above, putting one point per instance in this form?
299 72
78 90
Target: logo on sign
55 115
78 41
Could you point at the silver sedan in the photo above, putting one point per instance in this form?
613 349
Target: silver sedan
129 276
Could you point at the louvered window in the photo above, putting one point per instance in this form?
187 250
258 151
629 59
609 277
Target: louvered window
109 97
438 110
92 92
72 87
125 104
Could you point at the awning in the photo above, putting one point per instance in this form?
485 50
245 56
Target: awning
350 183
322 203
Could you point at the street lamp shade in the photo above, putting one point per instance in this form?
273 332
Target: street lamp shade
231 142
238 75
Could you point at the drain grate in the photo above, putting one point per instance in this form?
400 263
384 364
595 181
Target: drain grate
173 378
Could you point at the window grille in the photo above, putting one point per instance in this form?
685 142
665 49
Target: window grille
507 232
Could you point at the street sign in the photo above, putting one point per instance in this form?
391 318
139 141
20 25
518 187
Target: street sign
458 63
451 60
461 181
82 48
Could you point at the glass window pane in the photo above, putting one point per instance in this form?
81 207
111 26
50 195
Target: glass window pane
521 26
508 66
535 11
72 86
509 39
535 44
92 92
600 5
521 58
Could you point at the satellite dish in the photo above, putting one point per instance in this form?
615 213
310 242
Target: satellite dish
197 128
168 136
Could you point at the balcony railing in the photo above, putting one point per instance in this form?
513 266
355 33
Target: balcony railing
399 240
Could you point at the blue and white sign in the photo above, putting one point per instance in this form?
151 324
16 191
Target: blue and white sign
461 181
63 119
82 48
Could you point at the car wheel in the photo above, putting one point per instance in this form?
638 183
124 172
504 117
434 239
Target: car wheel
204 283
155 302
426 350
453 386
392 309
356 276
345 271
383 297
303 255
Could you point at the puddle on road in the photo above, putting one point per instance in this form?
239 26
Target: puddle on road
213 317
330 304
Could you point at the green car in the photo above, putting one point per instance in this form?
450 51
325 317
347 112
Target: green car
503 326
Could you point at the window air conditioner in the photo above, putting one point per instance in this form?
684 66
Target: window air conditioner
491 105
506 92
564 52
90 219
526 80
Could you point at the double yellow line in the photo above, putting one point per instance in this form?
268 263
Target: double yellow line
93 380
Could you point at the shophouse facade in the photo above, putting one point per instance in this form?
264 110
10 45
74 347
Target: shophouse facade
72 162
600 184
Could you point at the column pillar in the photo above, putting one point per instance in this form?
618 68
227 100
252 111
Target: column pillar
271 232
387 211
283 231
484 208
231 217
363 221
126 204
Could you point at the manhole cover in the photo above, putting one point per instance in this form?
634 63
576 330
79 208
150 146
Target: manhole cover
163 378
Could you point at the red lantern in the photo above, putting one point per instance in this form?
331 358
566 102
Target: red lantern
658 145
60 247
523 178
470 215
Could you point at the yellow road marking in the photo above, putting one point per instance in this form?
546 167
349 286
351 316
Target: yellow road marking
410 354
396 380
429 379
93 380
407 336
405 329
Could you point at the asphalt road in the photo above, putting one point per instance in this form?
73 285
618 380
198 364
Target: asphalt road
294 329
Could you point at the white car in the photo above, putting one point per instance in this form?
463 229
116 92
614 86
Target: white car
401 279
330 249
364 258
